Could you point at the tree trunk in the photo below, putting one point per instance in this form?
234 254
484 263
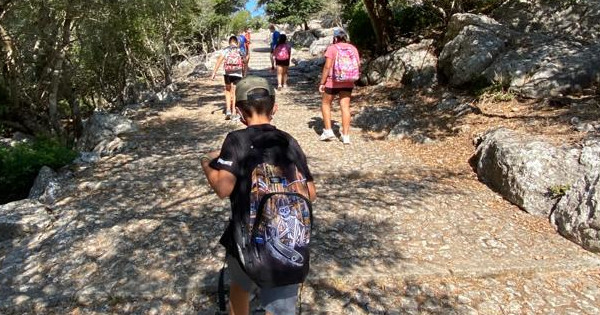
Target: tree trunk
168 61
380 16
306 28
57 74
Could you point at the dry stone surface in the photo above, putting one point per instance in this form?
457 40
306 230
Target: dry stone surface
137 232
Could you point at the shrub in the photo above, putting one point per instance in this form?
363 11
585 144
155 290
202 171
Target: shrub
359 26
19 165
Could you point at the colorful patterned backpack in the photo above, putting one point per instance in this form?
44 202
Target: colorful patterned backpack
233 60
275 233
346 66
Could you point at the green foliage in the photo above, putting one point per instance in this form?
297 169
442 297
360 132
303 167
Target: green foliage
20 164
359 26
498 92
558 191
239 21
412 18
98 52
292 12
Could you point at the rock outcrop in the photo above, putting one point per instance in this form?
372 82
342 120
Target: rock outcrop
534 62
577 215
577 20
414 64
23 217
103 133
526 170
303 38
44 178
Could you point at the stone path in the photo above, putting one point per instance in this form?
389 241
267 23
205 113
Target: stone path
138 232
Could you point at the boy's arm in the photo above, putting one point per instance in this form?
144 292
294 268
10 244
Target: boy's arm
312 191
221 181
219 61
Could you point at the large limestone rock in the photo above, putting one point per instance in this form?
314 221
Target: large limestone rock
414 64
318 47
44 178
103 133
531 62
23 217
479 41
524 169
577 215
303 38
577 20
547 67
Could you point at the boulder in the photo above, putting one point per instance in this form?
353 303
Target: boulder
576 20
577 215
461 20
471 52
323 32
43 179
414 64
102 129
23 217
319 46
303 38
524 169
547 67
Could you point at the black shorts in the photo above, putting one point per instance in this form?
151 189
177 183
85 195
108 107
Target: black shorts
283 63
336 91
231 79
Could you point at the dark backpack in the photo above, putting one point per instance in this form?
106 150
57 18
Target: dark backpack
273 236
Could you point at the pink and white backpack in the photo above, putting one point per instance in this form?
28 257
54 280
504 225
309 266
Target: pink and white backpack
346 66
282 52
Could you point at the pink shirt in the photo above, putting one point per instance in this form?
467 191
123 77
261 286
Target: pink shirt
331 53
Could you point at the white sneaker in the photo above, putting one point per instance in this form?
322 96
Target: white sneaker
346 139
327 135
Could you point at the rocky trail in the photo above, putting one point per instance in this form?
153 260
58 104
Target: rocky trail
137 233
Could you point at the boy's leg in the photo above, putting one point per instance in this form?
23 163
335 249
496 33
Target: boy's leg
272 57
345 107
227 96
232 104
239 300
280 300
240 287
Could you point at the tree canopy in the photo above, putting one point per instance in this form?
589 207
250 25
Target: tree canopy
292 12
64 58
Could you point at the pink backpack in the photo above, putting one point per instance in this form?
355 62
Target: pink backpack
233 60
282 52
346 66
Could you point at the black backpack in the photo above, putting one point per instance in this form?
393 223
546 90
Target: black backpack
273 236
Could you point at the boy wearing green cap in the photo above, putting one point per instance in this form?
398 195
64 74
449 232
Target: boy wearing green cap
229 173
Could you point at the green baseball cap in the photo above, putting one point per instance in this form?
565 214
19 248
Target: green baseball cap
249 83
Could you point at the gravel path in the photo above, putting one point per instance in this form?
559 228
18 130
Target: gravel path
138 232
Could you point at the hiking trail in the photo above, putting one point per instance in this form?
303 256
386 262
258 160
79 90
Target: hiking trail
139 231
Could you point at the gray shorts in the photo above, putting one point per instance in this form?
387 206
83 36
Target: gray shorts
278 301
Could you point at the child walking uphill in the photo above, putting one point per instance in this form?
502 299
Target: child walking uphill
264 173
341 70
233 66
282 54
